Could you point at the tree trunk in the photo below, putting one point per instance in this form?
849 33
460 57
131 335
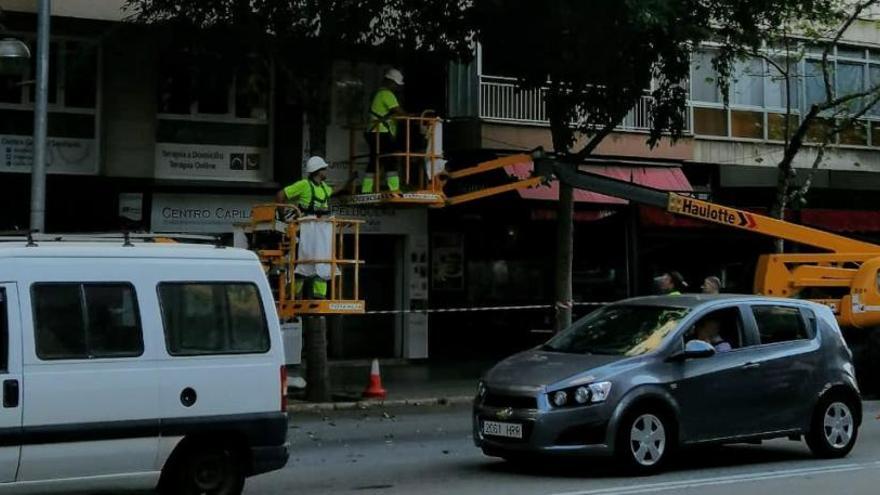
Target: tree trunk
315 328
317 377
564 251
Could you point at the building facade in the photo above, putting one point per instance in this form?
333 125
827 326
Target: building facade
142 138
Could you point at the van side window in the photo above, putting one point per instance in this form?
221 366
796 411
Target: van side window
213 318
86 321
779 324
4 333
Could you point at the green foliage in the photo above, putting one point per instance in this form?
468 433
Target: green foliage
600 56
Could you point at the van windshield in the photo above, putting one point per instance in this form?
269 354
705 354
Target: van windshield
618 330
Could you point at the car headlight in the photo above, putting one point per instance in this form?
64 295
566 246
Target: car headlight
599 391
581 395
560 398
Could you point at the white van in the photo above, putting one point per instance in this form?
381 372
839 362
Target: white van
137 367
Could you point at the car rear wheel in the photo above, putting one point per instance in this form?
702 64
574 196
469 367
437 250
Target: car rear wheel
644 441
206 470
834 429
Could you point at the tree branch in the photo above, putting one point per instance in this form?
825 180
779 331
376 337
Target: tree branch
593 142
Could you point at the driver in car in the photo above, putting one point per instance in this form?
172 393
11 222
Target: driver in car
709 331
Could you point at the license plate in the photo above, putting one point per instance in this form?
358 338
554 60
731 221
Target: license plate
499 429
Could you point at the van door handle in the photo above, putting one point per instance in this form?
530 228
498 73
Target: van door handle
751 365
10 394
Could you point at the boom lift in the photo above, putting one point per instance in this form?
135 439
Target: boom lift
843 276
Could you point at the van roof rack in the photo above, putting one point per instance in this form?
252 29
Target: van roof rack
126 238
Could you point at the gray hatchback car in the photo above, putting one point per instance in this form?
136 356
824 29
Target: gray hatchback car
642 377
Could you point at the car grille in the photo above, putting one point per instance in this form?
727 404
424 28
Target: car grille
495 399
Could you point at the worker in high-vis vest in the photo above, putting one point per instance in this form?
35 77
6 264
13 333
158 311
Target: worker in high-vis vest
382 134
312 196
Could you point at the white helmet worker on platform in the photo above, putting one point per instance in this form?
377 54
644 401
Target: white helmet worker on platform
394 76
312 193
315 164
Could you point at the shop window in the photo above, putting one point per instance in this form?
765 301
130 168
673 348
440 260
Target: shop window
746 124
710 121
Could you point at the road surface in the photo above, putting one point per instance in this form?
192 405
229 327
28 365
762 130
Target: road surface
426 451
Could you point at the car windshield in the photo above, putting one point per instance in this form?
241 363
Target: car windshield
618 330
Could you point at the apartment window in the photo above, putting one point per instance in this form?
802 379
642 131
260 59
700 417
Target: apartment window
77 60
748 83
86 321
213 318
209 88
759 95
704 85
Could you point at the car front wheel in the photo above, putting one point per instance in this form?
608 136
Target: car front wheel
644 441
834 429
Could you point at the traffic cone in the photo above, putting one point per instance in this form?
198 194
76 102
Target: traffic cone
374 390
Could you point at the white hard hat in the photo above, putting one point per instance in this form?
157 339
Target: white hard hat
314 164
395 76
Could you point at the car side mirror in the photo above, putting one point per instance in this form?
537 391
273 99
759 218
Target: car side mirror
695 349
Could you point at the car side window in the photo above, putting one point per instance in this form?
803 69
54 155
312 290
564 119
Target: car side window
723 328
209 318
86 321
4 333
779 324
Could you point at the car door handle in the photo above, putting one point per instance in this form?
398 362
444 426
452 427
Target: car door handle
10 394
751 365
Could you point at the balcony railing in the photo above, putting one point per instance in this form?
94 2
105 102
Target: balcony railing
501 101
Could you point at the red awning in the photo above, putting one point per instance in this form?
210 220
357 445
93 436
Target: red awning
824 219
842 220
663 178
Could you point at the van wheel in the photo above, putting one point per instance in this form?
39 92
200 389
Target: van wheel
644 441
207 470
833 430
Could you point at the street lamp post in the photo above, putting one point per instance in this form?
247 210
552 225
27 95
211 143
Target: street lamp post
38 173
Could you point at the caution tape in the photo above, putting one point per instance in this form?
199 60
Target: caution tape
479 308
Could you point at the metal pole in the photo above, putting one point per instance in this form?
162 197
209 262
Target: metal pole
38 173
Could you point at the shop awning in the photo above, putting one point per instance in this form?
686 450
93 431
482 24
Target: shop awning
663 178
841 221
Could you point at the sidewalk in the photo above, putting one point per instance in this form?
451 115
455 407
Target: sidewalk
408 384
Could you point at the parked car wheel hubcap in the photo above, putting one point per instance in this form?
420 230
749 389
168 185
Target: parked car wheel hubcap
209 472
838 425
647 439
